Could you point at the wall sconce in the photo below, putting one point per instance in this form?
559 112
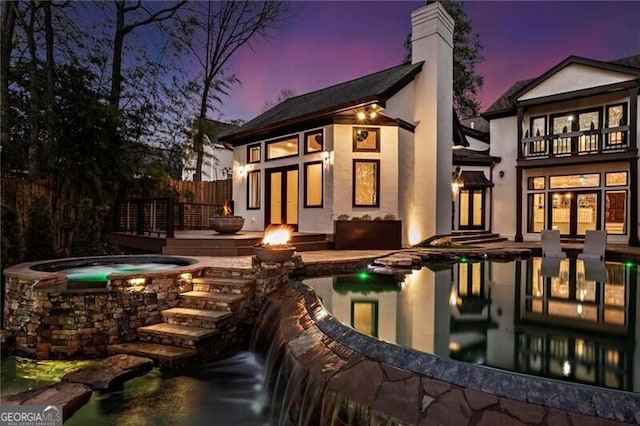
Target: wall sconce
242 170
326 156
501 174
456 181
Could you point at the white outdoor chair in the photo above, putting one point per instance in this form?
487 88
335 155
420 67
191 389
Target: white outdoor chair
551 244
595 244
550 266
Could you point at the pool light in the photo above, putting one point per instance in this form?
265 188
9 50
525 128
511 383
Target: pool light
363 276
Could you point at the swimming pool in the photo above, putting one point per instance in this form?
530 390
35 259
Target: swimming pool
568 320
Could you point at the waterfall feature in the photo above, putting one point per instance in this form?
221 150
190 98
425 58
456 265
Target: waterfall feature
302 366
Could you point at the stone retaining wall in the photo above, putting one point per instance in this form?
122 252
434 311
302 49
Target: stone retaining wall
335 375
49 321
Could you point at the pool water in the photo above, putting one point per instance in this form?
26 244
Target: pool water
100 273
568 320
225 392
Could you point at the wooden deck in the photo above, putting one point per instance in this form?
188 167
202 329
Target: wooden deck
210 243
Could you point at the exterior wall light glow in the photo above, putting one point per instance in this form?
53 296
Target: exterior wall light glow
242 170
361 115
326 156
136 281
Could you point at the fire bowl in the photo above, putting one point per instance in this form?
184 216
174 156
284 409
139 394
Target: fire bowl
272 254
227 224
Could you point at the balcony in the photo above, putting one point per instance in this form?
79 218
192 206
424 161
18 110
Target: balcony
586 142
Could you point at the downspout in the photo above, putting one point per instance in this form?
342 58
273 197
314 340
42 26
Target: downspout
493 164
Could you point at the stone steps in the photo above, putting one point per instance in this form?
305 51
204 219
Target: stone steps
162 354
212 301
202 318
174 334
223 285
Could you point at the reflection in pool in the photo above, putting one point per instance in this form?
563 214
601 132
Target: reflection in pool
571 321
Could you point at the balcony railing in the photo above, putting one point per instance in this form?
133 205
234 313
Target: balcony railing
585 142
164 216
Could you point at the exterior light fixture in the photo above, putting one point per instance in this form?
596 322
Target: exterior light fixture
242 170
326 156
136 281
361 115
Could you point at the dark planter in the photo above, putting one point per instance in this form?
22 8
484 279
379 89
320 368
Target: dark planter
274 254
367 234
227 224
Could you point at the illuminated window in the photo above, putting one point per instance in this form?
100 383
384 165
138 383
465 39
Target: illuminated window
366 183
253 153
538 127
313 173
366 139
253 190
575 181
615 211
313 142
536 213
364 317
536 182
286 147
616 179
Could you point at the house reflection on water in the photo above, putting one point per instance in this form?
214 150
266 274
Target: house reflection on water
563 319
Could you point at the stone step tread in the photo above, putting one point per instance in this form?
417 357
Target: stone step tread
214 297
204 314
230 282
179 331
152 350
473 237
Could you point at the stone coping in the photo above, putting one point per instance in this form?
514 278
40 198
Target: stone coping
195 265
590 401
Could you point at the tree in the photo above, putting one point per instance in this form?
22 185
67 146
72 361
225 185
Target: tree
282 96
7 28
225 27
467 53
39 240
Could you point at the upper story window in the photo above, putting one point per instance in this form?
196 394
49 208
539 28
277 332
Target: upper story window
286 147
313 141
253 153
616 116
366 139
538 127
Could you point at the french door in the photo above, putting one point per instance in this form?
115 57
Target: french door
574 213
282 196
472 208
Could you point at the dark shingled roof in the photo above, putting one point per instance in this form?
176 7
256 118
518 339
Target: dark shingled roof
377 87
504 105
468 157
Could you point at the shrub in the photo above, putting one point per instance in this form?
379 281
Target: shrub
389 216
343 217
38 238
87 237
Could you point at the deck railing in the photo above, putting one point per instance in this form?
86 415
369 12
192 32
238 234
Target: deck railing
596 141
164 216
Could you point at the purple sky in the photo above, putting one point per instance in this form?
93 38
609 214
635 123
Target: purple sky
326 43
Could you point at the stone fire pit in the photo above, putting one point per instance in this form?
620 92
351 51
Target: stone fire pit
274 253
227 224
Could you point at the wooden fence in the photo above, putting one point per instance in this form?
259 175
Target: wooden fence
18 193
215 192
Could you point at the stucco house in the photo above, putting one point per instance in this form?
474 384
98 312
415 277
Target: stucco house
218 156
377 145
568 144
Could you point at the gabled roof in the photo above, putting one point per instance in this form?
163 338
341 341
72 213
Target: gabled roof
505 104
377 87
468 157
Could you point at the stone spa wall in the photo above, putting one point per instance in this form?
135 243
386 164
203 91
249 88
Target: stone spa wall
48 320
330 374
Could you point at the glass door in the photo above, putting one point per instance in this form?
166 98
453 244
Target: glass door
472 209
282 196
574 213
